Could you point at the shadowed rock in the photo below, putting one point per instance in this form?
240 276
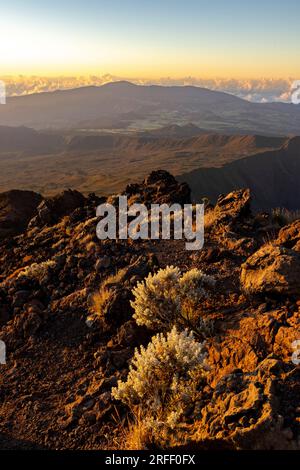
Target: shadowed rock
234 205
160 187
16 209
51 210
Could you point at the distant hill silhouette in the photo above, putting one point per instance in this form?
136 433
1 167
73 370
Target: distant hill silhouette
272 176
174 130
25 139
123 105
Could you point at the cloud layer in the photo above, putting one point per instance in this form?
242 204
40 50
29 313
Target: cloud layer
259 90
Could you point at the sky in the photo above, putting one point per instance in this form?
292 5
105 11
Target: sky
151 38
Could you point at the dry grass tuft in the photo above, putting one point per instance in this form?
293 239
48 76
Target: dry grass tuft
138 436
100 299
284 217
102 296
209 218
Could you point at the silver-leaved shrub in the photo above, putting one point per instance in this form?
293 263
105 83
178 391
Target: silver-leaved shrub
163 378
168 298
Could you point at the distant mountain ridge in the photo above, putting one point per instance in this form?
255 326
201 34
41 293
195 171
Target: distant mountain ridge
174 130
273 177
23 139
187 138
127 106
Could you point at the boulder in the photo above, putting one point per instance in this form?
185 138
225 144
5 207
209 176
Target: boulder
233 206
246 410
160 187
52 209
272 270
289 236
16 209
20 298
159 176
231 214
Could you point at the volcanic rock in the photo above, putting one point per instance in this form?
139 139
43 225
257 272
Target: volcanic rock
272 270
16 209
160 187
51 210
233 206
289 236
56 386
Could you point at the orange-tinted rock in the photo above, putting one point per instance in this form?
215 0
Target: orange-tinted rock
272 270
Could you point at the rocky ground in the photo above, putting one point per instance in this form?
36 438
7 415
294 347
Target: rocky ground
62 360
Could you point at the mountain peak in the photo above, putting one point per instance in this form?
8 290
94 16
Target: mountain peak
120 84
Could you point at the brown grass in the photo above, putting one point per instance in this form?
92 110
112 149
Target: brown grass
284 216
137 436
101 297
209 218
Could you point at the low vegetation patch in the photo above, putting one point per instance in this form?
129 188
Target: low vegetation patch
168 298
163 382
